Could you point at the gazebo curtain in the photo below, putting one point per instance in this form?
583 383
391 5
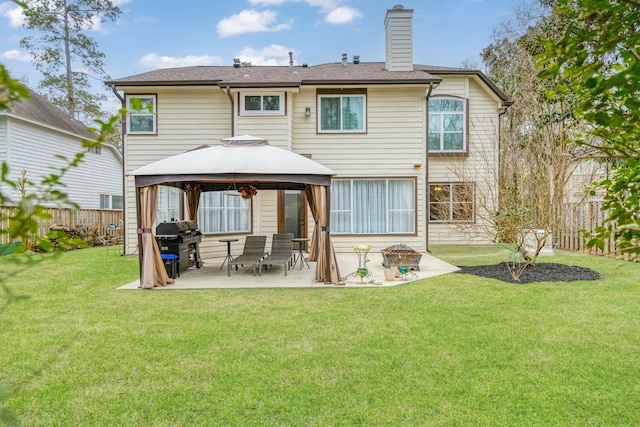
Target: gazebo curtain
152 272
322 250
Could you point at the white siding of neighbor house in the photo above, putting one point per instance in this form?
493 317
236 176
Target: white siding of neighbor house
33 148
395 142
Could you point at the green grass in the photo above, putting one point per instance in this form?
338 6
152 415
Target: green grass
455 350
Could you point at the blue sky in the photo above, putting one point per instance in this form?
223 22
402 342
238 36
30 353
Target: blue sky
154 34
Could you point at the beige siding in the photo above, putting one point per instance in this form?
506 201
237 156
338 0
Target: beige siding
393 146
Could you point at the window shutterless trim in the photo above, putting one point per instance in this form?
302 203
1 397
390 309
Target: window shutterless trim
282 111
127 124
465 132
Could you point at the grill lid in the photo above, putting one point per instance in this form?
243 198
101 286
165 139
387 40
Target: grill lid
175 228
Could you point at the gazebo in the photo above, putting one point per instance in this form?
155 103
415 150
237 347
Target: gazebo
238 161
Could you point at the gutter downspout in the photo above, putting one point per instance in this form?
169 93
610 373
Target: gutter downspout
501 112
426 173
124 211
233 126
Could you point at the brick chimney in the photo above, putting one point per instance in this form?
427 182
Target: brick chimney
398 27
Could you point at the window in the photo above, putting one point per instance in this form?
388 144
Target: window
373 206
451 202
108 201
221 213
262 104
447 125
168 204
342 113
96 149
141 116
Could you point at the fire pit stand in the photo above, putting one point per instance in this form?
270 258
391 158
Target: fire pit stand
401 255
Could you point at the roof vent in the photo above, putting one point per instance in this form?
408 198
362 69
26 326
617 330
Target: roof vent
290 58
344 59
236 63
356 59
304 65
398 7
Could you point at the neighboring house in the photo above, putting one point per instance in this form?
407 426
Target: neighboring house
33 132
414 148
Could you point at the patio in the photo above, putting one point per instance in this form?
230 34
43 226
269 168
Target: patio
211 276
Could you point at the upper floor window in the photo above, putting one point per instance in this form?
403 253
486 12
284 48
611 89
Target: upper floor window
373 206
141 114
447 125
342 113
95 149
271 103
451 202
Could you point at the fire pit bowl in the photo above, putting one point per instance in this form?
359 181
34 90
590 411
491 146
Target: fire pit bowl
401 255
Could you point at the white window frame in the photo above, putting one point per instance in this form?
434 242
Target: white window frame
349 209
107 201
225 211
262 111
342 97
451 204
131 112
442 132
169 200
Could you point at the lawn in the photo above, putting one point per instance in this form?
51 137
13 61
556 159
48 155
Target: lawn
455 350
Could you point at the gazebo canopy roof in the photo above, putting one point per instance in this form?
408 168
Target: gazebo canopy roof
240 160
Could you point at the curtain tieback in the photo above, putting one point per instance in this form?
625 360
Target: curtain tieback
144 230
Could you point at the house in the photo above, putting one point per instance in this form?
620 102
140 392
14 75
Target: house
33 132
414 148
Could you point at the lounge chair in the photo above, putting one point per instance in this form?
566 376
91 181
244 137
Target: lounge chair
253 252
281 253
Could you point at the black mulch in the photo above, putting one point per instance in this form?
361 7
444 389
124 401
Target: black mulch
541 272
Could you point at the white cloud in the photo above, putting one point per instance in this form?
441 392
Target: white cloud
342 15
17 55
153 60
271 55
13 13
249 21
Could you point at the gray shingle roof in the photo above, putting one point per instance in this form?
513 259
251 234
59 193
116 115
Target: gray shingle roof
370 72
364 73
38 109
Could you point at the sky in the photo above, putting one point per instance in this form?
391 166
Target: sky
152 34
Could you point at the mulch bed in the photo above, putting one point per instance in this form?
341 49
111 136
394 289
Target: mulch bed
541 272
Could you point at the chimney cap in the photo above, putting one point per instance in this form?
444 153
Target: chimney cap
397 7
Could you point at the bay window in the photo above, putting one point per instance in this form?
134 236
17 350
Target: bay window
373 206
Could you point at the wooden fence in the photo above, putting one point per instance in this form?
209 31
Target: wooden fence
97 220
584 216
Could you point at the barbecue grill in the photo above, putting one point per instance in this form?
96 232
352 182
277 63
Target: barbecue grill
180 238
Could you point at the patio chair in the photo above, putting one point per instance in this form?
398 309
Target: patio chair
281 253
253 252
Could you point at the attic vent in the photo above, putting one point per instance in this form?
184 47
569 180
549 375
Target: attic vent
344 59
356 59
236 63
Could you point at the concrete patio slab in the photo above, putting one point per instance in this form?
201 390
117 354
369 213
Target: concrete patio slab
211 276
